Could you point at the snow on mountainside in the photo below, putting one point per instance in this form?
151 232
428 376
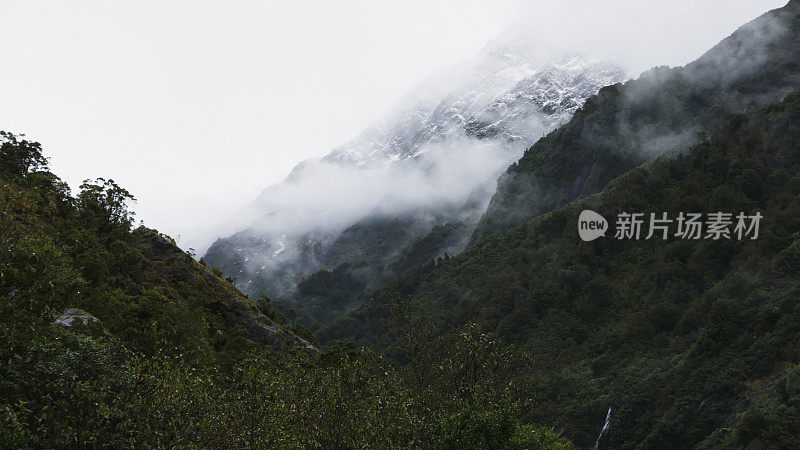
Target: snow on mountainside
436 156
543 100
510 91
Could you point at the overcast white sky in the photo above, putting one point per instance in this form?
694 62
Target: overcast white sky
195 106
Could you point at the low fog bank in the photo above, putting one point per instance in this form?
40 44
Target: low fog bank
434 159
328 196
295 222
425 162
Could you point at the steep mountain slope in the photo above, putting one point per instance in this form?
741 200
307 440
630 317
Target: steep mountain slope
433 161
692 343
113 338
364 256
139 284
663 111
514 90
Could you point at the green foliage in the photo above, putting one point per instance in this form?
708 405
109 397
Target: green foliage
104 202
18 158
177 356
681 338
337 285
362 257
662 113
475 426
479 428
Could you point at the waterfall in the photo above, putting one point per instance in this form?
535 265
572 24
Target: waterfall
604 431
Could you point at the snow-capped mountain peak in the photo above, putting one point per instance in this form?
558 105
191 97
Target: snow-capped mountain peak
509 88
434 159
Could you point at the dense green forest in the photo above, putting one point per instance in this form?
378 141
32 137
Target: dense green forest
110 335
113 337
663 112
660 112
359 260
690 342
363 262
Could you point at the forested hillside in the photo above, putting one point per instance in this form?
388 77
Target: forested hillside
112 337
664 111
690 342
349 218
532 337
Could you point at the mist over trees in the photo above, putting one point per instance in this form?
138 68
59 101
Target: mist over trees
416 312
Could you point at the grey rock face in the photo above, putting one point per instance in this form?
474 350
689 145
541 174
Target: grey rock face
71 316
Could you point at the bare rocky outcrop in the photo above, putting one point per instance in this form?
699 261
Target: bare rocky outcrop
73 316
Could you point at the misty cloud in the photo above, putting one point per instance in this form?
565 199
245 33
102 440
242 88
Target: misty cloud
293 224
433 160
326 196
